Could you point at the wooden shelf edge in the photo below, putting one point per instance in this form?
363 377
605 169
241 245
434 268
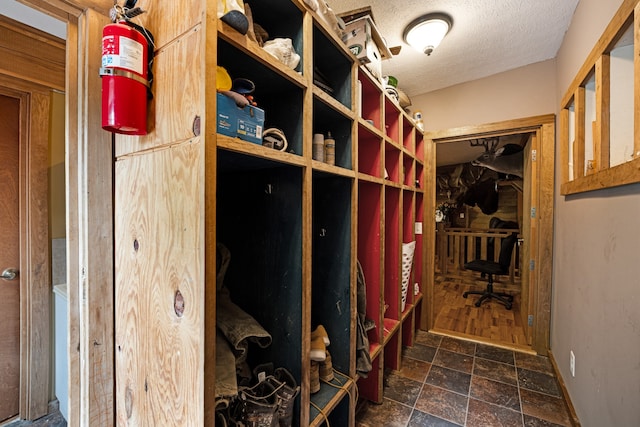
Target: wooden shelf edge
333 103
242 42
369 178
335 170
417 298
391 326
374 350
407 312
392 143
249 148
334 394
371 128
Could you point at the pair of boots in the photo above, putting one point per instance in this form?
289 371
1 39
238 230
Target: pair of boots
270 402
321 366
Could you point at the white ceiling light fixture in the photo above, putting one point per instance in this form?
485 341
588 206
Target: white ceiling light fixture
426 32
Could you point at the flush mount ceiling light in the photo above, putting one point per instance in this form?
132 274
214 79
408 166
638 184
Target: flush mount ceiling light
426 32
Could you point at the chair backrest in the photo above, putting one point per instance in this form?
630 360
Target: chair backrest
506 250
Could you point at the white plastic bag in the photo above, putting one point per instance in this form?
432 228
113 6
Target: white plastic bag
226 6
283 50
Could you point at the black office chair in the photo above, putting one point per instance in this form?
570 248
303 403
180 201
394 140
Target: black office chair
491 268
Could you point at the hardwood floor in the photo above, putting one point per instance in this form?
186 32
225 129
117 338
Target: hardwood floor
489 323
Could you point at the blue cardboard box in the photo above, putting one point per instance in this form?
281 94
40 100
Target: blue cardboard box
245 123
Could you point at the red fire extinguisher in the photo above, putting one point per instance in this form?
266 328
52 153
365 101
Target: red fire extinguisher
125 78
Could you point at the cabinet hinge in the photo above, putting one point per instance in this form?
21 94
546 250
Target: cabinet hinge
533 212
534 155
532 264
530 320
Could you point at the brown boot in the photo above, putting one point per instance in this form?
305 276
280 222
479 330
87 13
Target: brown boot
314 383
326 368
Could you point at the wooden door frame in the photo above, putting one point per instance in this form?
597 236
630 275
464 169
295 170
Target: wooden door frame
35 277
542 200
32 86
89 198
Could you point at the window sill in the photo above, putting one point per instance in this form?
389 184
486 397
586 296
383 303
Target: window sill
626 173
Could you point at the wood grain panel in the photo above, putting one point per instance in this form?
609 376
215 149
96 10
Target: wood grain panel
159 252
73 228
429 236
31 54
528 232
178 98
95 233
35 264
544 264
507 127
211 206
171 20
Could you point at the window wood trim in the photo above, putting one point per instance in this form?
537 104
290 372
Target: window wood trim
602 175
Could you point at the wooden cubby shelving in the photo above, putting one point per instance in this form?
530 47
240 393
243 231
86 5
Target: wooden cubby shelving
295 227
390 212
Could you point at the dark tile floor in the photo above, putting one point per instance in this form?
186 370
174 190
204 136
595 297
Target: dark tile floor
449 382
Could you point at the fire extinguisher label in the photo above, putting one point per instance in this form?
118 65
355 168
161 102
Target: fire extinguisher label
122 52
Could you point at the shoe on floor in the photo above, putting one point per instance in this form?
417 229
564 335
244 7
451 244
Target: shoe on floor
320 331
287 390
259 405
318 349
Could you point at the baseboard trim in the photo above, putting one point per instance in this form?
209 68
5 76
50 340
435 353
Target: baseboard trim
575 422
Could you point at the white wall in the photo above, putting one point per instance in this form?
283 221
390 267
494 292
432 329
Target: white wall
596 285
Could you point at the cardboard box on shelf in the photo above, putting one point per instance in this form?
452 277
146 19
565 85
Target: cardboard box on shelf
245 123
365 41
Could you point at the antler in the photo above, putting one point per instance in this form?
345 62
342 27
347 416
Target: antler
484 142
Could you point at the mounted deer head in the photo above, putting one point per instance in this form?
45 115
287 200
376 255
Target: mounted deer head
508 159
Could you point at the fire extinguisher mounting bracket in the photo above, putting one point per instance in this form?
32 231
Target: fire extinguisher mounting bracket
104 71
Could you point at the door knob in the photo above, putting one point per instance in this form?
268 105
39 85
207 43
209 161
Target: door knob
9 274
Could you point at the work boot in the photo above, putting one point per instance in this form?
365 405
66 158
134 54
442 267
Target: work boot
287 390
326 368
260 405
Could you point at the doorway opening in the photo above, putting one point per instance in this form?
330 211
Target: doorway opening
31 77
476 207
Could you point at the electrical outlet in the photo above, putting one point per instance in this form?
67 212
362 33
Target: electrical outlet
572 363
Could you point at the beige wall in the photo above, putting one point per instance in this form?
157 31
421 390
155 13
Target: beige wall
522 92
596 288
596 298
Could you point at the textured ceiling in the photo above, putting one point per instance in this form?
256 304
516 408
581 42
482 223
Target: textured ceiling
487 37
